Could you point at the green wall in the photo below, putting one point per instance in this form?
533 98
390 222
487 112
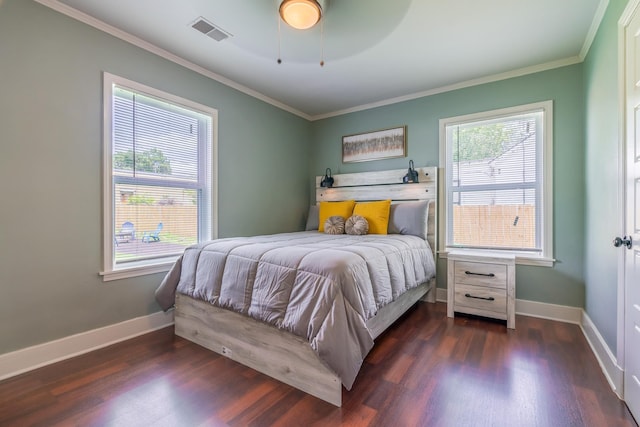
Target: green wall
602 113
562 284
51 171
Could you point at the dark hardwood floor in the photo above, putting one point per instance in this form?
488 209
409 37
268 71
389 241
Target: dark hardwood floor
426 370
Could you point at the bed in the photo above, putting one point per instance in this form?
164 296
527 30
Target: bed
305 307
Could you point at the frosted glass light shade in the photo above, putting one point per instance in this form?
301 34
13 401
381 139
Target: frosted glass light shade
300 14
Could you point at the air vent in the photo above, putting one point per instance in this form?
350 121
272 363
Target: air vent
207 28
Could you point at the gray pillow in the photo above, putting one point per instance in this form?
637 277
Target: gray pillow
356 225
409 218
334 225
313 219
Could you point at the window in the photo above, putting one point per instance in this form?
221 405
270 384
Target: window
498 182
159 192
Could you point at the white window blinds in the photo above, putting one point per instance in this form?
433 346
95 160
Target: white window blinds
495 182
161 176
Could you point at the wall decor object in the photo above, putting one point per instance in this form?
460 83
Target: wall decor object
376 145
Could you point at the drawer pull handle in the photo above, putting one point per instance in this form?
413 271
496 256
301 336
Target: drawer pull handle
471 273
484 298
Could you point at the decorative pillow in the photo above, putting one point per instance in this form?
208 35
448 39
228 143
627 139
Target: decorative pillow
334 225
312 219
356 225
376 214
327 209
409 218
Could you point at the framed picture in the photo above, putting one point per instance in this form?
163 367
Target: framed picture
376 145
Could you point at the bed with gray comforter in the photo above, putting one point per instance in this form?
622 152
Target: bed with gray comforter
320 287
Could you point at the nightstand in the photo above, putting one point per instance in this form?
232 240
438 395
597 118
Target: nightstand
482 284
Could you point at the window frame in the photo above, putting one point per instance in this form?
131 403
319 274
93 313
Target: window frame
208 226
545 258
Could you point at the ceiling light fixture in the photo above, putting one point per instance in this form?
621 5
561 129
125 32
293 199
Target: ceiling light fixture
300 14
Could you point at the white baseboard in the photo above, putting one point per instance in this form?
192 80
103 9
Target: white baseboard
543 310
27 359
606 359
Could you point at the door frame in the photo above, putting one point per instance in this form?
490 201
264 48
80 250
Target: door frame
623 22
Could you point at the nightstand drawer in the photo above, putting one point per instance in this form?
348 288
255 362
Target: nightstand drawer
481 274
479 297
483 284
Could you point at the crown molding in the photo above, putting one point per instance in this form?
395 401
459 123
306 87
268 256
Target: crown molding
469 83
136 41
593 29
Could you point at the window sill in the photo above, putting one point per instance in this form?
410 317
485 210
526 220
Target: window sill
138 269
521 259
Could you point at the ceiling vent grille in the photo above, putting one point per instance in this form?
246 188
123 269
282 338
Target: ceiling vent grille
208 29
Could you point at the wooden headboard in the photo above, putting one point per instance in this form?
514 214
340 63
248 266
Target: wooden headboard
382 185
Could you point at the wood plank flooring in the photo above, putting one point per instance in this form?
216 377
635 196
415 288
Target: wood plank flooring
426 370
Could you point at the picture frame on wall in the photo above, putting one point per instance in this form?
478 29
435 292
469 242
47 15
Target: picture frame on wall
376 145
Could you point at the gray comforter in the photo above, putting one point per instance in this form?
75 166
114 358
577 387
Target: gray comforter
318 286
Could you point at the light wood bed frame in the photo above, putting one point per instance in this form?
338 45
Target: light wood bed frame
287 357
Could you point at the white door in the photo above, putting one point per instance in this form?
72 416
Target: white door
631 243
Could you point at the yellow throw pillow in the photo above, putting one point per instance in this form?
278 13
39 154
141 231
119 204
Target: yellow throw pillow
376 214
327 209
